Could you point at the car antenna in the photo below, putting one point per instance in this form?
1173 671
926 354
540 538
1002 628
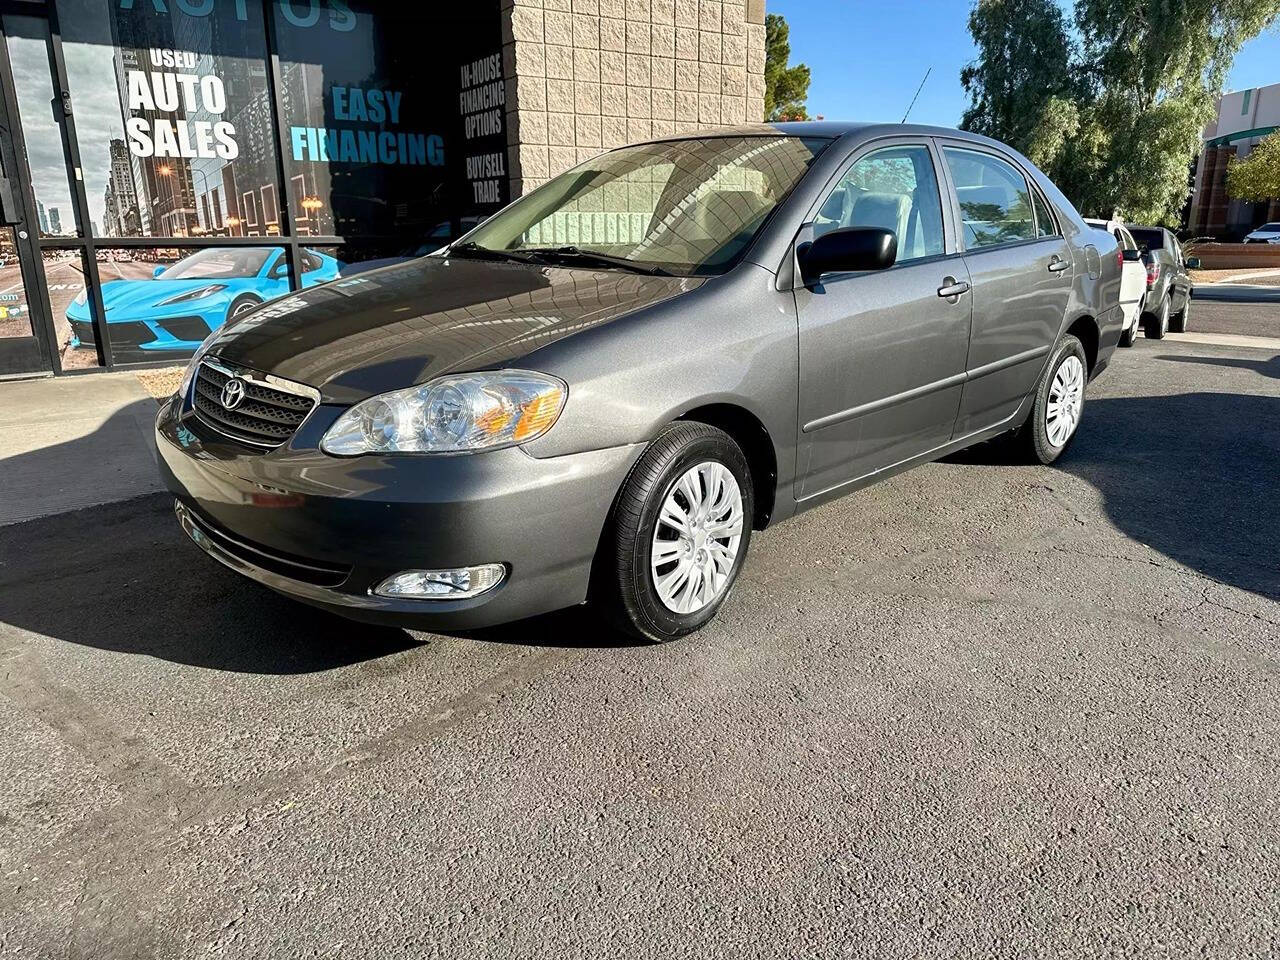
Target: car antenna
917 96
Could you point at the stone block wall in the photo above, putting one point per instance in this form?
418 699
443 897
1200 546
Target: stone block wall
586 75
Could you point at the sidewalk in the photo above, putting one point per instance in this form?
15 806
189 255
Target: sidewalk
73 442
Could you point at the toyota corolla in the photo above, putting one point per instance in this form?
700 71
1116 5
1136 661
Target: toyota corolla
602 391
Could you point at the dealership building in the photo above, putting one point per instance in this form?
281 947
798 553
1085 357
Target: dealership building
167 164
1243 119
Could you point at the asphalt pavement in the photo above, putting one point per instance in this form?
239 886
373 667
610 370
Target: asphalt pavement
981 709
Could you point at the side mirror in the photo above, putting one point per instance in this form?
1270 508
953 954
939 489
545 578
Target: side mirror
1193 263
847 250
157 271
1132 255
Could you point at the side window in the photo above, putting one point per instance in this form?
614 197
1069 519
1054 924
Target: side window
894 188
1045 225
995 203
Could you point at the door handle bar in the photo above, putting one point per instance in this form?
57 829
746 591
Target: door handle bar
953 289
1057 266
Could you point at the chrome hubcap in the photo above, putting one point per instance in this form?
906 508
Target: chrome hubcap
1066 400
696 538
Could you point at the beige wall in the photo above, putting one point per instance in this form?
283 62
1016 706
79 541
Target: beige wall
586 75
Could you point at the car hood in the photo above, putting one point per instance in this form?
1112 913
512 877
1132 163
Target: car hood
137 293
399 325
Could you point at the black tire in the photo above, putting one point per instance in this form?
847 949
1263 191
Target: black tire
241 305
1130 334
1178 322
624 584
1033 436
1157 324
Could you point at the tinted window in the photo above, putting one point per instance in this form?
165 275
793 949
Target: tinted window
1148 237
219 263
1045 227
995 203
896 189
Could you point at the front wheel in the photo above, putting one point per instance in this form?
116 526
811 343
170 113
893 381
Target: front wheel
240 306
678 533
1178 322
1059 403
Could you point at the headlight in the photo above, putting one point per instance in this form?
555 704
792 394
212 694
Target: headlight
189 373
199 294
453 414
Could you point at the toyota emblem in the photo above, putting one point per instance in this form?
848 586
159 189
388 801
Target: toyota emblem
232 393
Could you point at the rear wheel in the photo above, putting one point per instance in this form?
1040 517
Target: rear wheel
1157 324
1130 334
1178 322
678 533
1059 403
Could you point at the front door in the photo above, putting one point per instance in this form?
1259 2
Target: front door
882 354
1021 270
23 323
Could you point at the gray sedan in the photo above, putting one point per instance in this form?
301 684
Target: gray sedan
602 391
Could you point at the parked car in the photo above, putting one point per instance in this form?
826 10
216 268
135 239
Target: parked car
1133 286
1267 233
1169 288
600 392
174 310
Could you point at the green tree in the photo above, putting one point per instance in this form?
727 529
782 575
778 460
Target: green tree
1120 134
1023 62
785 88
1256 178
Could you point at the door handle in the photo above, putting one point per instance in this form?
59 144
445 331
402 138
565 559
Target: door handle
951 290
1056 265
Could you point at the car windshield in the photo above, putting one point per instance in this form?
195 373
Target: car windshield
1147 237
680 207
1269 228
219 264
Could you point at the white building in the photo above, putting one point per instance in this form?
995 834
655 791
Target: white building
1244 118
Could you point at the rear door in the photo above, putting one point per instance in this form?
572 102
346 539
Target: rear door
881 353
1180 285
1021 270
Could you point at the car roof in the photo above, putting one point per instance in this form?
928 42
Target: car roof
830 130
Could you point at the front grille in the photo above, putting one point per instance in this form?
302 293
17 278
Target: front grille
316 572
269 414
132 333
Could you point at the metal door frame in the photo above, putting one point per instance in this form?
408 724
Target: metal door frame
35 354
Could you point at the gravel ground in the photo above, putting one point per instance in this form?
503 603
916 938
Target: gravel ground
980 709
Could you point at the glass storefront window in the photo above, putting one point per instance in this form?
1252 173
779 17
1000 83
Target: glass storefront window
27 38
15 309
386 139
173 117
161 303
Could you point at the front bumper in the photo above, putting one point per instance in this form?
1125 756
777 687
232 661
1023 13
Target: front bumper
327 530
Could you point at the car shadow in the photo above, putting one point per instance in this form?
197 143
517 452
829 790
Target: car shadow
1268 368
121 576
1194 476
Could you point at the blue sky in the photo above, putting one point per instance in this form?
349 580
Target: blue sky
867 57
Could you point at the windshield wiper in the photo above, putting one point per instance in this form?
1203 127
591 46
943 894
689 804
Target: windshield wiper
473 249
578 255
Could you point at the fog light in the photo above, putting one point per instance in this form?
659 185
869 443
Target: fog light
456 584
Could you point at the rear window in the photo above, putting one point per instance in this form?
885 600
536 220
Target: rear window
1146 237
